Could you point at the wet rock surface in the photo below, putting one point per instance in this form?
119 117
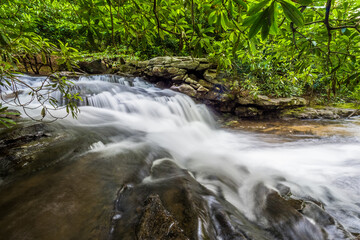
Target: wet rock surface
157 223
19 145
192 210
284 221
171 204
30 146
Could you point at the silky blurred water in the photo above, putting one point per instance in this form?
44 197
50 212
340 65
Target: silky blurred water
138 121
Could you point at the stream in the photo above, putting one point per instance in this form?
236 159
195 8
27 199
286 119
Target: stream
132 139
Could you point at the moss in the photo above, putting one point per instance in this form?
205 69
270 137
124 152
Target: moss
347 105
319 106
294 111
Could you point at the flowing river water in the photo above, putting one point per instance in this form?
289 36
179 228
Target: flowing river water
127 127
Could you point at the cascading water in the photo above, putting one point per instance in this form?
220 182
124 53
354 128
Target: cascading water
128 123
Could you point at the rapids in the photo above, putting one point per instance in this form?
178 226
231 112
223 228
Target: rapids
128 123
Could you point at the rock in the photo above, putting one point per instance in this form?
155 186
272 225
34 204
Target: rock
20 144
210 75
93 67
245 100
172 195
204 66
282 219
162 84
126 69
190 81
174 71
157 223
189 65
142 64
30 146
186 89
164 72
214 96
160 61
279 103
227 107
178 78
205 84
321 217
66 74
319 113
202 89
248 112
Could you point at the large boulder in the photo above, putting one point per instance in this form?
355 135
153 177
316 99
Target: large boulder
279 103
172 202
187 63
93 67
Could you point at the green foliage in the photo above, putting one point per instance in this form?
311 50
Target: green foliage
283 47
67 56
4 120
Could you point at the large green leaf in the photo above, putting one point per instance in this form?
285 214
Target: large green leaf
256 8
266 24
292 13
241 3
305 2
256 26
250 20
4 41
273 16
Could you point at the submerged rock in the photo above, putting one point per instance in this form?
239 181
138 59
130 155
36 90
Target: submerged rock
30 146
20 144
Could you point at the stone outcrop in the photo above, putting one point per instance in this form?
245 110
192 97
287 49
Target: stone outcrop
200 79
320 113
93 67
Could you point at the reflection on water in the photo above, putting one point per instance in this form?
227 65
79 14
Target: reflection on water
138 123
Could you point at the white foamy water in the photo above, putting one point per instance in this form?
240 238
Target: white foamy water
323 169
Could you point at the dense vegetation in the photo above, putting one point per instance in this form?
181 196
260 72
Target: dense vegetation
277 47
